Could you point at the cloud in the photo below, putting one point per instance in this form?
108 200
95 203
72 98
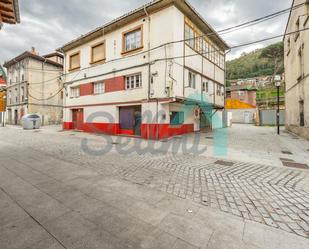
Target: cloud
48 25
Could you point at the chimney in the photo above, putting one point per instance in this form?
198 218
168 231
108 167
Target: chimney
33 51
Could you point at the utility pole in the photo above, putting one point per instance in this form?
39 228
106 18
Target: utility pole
278 83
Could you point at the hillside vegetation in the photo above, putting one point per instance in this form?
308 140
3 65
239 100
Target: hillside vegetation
255 64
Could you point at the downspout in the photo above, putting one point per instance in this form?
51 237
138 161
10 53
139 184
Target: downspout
148 47
225 79
149 76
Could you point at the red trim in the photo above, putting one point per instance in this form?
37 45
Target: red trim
67 125
148 131
126 132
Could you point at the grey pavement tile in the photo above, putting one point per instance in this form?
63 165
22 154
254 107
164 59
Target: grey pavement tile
102 240
21 234
69 228
180 244
148 213
10 213
223 239
158 239
178 206
46 210
191 230
53 187
49 243
272 238
221 222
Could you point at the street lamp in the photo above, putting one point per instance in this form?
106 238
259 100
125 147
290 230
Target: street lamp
278 84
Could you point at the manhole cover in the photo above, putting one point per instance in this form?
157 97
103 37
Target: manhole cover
295 165
286 152
224 163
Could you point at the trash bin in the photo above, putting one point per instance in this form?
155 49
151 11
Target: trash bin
31 121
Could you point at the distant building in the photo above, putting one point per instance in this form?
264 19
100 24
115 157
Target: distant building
241 102
9 12
2 94
33 86
296 58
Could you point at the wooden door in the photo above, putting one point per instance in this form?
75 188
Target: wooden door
78 119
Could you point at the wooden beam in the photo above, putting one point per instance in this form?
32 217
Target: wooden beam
6 1
6 7
7 20
7 14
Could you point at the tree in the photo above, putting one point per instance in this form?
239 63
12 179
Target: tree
274 53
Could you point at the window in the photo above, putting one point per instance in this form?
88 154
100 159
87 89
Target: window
192 80
74 92
99 88
134 81
74 61
10 97
23 78
132 40
98 52
177 118
189 36
297 29
22 94
205 87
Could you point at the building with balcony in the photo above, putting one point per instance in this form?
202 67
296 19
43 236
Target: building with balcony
296 58
156 72
34 86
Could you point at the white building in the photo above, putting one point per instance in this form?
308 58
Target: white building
137 76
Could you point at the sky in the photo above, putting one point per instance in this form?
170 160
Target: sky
49 24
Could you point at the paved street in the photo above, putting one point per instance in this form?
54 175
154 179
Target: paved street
56 195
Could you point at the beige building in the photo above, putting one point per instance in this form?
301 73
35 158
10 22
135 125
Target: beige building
33 86
296 46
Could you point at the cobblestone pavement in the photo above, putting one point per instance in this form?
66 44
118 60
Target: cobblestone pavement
277 197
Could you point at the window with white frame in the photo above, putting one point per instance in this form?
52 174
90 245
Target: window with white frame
74 92
192 79
98 88
205 86
134 81
132 40
190 36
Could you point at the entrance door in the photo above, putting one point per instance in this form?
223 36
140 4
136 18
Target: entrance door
15 117
78 119
205 121
247 117
130 119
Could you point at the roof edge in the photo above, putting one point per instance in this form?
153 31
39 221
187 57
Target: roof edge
76 42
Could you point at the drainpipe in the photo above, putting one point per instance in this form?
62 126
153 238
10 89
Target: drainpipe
148 47
149 71
225 74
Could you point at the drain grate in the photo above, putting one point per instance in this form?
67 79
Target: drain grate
286 152
295 165
224 163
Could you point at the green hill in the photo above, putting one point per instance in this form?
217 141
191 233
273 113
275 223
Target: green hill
251 65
